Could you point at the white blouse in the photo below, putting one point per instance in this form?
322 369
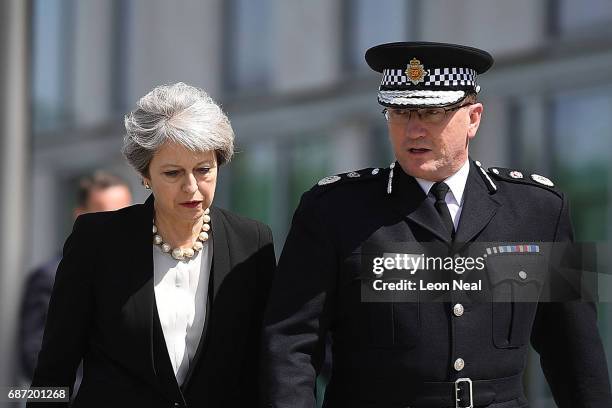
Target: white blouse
181 293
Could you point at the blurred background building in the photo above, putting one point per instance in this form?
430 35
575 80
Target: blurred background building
292 77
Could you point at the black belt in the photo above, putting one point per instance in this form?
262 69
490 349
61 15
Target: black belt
468 393
463 393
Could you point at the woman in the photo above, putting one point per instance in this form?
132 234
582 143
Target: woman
163 301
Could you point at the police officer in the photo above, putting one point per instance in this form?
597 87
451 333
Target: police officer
468 349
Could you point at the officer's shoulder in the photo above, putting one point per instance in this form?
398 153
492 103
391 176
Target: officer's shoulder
522 177
349 180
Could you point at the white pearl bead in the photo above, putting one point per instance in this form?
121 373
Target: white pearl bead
207 211
157 239
205 227
198 246
165 248
154 229
177 253
203 236
206 218
188 252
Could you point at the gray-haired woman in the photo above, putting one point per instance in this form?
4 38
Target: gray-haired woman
163 301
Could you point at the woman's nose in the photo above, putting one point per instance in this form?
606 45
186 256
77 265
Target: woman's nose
191 184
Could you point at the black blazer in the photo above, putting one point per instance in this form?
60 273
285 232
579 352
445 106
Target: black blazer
103 310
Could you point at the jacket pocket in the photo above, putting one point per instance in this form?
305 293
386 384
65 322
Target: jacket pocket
516 282
381 319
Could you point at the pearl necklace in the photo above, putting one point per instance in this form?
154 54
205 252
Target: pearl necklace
184 253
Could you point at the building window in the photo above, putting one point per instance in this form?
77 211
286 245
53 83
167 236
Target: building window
52 27
581 123
581 127
371 22
248 55
582 18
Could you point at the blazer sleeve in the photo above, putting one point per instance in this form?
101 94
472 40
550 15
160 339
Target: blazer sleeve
70 314
298 313
566 337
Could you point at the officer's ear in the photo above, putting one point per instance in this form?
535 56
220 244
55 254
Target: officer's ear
474 115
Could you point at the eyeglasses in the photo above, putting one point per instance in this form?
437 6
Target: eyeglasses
432 116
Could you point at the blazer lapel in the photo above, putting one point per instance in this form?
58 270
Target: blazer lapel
410 201
140 311
137 311
221 254
219 270
479 207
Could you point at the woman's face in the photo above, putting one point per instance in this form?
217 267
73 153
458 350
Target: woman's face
183 182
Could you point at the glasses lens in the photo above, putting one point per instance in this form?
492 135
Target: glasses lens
432 115
397 116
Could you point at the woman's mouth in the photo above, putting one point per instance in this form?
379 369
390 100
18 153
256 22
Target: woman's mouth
191 204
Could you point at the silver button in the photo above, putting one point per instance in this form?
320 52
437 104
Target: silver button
458 309
523 275
459 364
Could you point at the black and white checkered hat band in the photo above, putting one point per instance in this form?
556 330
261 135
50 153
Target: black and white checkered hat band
434 77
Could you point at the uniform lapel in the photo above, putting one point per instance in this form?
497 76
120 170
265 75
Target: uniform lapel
479 207
410 200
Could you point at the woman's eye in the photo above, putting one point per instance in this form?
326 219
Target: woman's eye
203 170
171 173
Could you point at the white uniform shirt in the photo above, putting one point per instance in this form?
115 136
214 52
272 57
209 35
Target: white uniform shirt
181 293
454 197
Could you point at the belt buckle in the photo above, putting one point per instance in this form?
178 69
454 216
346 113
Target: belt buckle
458 397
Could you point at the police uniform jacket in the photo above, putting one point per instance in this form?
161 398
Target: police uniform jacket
409 354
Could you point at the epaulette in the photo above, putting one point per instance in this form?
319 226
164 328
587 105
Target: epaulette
329 182
516 176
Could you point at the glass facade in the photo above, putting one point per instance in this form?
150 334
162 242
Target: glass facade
267 176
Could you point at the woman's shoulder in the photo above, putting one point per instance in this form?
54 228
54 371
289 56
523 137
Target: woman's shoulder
108 220
241 223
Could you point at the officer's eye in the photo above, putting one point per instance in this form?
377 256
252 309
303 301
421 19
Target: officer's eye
432 112
400 112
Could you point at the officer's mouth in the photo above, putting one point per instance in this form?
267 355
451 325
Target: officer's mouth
416 151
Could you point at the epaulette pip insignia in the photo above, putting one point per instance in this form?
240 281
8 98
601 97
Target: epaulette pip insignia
328 180
351 175
542 180
516 176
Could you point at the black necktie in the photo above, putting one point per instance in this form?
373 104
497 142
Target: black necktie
439 191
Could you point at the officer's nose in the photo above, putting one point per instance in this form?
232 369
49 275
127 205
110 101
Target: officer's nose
415 128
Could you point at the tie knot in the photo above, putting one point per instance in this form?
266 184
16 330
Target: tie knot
439 191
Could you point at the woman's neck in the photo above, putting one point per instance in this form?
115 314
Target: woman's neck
177 233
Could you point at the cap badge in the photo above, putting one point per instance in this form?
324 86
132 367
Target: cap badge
516 174
416 71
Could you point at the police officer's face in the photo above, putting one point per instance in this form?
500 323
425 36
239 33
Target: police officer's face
435 151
